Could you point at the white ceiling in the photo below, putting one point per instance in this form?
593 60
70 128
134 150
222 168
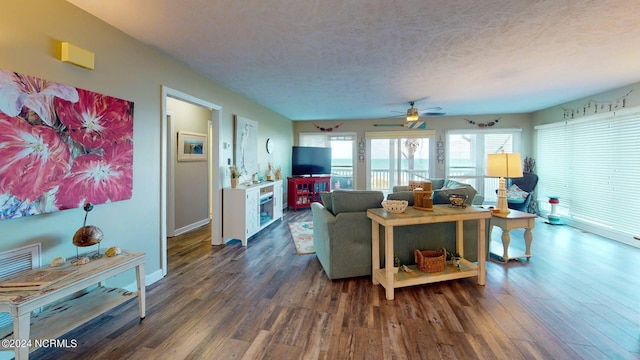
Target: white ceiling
344 59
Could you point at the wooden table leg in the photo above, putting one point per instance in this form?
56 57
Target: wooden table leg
375 251
460 237
388 261
506 240
21 330
141 291
482 252
528 238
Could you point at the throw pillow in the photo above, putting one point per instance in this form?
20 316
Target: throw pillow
414 185
515 194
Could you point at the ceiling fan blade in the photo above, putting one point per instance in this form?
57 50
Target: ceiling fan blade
420 99
433 114
434 108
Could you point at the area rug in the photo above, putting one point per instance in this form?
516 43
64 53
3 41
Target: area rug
302 234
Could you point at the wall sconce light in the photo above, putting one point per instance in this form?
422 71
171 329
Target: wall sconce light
76 55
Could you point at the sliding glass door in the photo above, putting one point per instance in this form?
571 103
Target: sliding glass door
467 156
396 161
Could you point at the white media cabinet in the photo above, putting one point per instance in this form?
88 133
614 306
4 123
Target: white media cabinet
248 209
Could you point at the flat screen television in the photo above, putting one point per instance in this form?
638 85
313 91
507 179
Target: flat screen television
309 161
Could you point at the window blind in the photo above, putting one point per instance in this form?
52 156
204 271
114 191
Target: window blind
593 165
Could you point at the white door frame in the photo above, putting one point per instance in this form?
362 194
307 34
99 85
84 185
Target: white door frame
214 181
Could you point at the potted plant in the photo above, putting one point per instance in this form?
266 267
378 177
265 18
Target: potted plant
396 263
235 175
454 257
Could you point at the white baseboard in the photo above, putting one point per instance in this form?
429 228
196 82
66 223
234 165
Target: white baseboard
190 227
148 280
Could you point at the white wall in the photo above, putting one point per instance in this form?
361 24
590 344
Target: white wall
127 69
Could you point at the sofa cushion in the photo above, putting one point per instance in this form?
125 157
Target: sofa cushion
355 200
402 195
326 201
437 183
453 187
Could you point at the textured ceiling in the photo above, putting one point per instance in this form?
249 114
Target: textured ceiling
343 59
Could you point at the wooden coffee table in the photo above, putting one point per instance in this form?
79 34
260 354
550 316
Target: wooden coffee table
507 222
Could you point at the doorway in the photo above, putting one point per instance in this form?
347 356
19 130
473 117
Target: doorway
214 178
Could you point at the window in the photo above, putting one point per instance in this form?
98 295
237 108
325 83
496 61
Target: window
342 149
397 158
467 156
593 165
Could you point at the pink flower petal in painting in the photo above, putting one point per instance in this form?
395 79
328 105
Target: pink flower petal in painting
33 159
18 91
97 121
98 179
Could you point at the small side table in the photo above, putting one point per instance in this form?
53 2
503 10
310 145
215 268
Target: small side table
513 220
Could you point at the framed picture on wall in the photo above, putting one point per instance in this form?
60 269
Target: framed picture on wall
192 146
246 149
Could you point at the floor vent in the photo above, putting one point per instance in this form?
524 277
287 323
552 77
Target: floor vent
15 261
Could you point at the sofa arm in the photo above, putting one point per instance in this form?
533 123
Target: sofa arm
321 241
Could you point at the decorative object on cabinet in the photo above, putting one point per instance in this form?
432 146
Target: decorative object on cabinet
87 235
80 132
248 209
302 191
278 173
235 175
246 145
192 146
269 174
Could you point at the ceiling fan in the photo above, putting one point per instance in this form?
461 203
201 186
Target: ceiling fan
414 115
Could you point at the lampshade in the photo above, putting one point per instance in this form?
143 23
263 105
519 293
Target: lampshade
504 165
412 114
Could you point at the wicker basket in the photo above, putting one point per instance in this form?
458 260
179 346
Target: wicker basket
430 261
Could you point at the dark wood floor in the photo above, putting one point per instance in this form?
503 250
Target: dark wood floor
578 298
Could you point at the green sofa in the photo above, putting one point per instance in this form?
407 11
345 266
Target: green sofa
442 189
342 234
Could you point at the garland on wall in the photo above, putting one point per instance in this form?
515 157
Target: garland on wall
327 128
594 107
483 125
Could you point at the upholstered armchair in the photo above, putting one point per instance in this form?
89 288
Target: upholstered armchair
526 183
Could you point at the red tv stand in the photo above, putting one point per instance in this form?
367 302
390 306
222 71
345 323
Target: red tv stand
302 191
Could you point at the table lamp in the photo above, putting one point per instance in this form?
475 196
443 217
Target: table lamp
504 165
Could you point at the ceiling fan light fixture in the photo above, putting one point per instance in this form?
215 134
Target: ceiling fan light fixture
412 114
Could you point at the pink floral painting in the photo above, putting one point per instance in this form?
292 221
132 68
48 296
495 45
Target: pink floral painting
61 147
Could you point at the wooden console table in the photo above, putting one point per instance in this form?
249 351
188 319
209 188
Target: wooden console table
28 331
513 220
411 216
